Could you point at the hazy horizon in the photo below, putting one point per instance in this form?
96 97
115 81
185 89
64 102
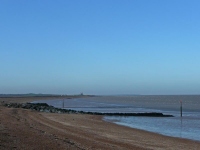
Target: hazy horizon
102 47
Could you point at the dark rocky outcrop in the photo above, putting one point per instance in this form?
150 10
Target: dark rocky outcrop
43 107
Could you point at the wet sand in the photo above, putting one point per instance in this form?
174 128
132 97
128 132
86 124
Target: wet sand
26 129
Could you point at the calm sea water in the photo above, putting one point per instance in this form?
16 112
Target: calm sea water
187 126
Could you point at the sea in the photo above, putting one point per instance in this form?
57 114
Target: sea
187 126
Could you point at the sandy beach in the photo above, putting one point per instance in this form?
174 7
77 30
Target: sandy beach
27 129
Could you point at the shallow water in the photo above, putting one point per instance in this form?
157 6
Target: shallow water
186 127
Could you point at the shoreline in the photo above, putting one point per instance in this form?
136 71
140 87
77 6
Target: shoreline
82 131
151 131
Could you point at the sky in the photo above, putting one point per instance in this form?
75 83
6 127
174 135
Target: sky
101 47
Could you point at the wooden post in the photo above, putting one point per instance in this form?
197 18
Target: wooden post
63 103
181 109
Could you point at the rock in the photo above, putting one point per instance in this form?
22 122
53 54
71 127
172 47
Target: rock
43 107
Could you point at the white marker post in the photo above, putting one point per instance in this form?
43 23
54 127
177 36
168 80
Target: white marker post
181 108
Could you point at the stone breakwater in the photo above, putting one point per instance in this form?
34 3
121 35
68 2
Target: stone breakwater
43 107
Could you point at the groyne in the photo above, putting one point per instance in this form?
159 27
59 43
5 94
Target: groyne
43 107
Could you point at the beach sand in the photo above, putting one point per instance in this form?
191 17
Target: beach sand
27 129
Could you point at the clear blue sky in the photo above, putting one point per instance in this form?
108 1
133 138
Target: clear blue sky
100 46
